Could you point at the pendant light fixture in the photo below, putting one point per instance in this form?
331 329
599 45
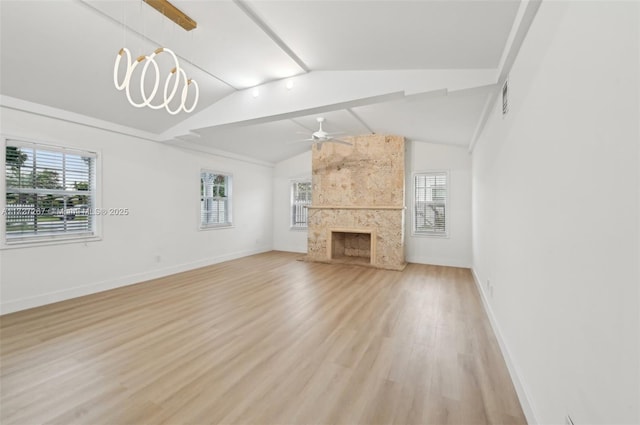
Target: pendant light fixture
176 73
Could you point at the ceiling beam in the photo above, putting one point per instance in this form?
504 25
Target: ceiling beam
360 120
324 91
271 33
173 13
387 97
299 124
62 115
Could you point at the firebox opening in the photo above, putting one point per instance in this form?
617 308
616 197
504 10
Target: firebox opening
351 247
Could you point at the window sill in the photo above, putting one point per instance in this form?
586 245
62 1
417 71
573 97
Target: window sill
49 242
298 229
430 235
216 227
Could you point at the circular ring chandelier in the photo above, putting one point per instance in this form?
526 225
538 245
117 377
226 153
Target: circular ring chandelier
167 95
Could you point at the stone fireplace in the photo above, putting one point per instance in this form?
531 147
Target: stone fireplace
357 210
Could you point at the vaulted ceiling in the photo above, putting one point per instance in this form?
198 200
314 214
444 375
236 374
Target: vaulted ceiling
422 69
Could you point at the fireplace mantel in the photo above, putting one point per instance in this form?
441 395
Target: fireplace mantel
356 207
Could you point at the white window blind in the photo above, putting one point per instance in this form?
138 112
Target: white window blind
505 97
50 192
430 203
300 199
215 199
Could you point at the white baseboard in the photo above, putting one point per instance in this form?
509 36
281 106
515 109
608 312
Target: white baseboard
448 262
523 396
105 285
290 249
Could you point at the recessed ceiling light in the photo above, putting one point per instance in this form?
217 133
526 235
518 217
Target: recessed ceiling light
255 92
289 84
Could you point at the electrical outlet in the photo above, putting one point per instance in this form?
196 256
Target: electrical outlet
489 288
568 420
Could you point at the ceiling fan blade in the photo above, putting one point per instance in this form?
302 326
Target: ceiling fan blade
299 141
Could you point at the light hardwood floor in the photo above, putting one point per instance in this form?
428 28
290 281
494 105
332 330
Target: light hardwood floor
261 340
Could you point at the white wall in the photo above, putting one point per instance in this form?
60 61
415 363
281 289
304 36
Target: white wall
454 250
555 215
160 186
295 168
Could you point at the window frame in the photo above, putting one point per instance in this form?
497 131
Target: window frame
228 196
292 203
94 234
447 226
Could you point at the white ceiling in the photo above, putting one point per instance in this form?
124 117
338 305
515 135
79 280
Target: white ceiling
339 35
447 119
60 53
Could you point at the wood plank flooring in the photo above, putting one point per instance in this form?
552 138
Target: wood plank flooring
264 339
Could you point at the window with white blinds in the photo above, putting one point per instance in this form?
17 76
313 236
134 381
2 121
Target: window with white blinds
505 97
50 192
430 203
215 199
300 200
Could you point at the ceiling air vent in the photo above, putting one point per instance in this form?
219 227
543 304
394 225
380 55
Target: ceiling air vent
505 97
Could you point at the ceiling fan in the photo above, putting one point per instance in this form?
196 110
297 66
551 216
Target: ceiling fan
319 137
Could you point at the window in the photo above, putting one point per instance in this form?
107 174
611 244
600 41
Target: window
300 199
215 199
430 203
50 193
505 97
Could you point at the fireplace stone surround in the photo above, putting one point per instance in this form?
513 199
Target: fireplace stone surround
358 190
